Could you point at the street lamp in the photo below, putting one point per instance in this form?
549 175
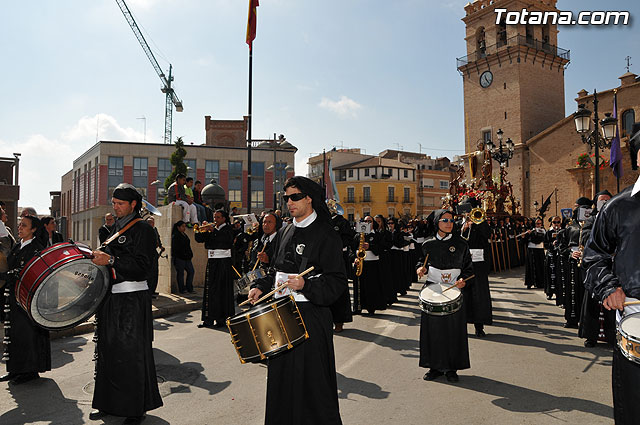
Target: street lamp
502 153
275 144
582 118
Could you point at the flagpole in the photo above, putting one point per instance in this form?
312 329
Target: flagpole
615 105
249 130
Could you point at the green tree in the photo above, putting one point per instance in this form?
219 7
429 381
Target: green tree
179 167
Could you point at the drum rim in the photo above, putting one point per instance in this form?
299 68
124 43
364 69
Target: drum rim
260 308
456 291
78 319
626 334
457 305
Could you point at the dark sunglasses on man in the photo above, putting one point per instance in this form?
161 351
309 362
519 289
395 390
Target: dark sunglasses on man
555 222
447 220
295 197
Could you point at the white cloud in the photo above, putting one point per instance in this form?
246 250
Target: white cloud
344 107
45 159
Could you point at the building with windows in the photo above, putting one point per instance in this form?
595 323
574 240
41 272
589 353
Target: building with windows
86 190
376 185
10 189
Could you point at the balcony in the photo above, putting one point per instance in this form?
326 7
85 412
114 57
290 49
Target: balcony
350 200
407 200
392 199
516 40
364 199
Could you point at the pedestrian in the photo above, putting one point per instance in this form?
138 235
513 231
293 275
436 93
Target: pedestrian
301 382
182 255
105 230
53 237
177 195
125 378
189 188
444 347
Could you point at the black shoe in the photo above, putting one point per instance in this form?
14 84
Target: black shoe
432 374
590 343
97 414
571 325
24 377
8 377
357 312
133 420
480 333
452 376
205 325
219 324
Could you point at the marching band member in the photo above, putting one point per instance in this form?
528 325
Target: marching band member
217 299
534 269
386 266
551 281
595 321
611 264
444 347
569 243
372 294
301 382
27 347
477 297
341 309
397 258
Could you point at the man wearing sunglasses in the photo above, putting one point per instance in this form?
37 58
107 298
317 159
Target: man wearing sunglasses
551 275
301 382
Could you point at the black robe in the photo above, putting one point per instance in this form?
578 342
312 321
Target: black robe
369 288
398 263
28 350
551 264
569 238
477 297
341 309
534 269
301 383
126 382
217 298
443 339
611 261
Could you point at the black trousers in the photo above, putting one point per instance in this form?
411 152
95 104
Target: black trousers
626 397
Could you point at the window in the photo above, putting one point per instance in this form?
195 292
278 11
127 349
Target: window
235 181
280 176
486 135
211 171
406 174
407 194
391 211
191 168
351 197
351 215
257 185
391 191
428 201
115 174
341 175
164 171
366 172
366 194
350 173
428 183
444 184
366 212
389 172
628 118
140 173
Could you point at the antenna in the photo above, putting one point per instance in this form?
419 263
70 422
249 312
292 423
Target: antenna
97 126
145 127
628 59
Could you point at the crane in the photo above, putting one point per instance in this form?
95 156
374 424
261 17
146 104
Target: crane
171 98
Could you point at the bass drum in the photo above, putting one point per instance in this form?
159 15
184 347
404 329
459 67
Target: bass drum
60 287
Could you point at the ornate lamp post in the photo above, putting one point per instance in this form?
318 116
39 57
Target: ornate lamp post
502 153
582 118
275 144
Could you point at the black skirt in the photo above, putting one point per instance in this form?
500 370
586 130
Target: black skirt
534 270
372 292
590 320
477 296
217 299
126 382
301 382
443 341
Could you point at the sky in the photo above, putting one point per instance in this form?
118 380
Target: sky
370 74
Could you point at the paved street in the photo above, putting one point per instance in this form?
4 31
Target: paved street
528 370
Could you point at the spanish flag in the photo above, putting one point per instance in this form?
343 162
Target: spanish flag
252 22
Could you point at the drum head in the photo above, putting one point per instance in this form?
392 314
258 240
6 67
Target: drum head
433 294
70 295
630 325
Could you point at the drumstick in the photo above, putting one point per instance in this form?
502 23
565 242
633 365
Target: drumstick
234 269
278 288
464 280
425 261
631 303
257 261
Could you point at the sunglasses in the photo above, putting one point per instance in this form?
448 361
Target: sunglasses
555 222
447 220
294 197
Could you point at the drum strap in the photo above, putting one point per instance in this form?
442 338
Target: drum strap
120 232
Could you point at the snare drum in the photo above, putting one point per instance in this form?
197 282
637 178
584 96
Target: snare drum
436 303
628 336
267 329
60 287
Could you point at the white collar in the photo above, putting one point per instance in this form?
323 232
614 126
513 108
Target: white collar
221 226
446 238
270 237
636 187
307 221
24 243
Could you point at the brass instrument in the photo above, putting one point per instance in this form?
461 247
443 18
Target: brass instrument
477 215
334 207
580 246
360 254
204 228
